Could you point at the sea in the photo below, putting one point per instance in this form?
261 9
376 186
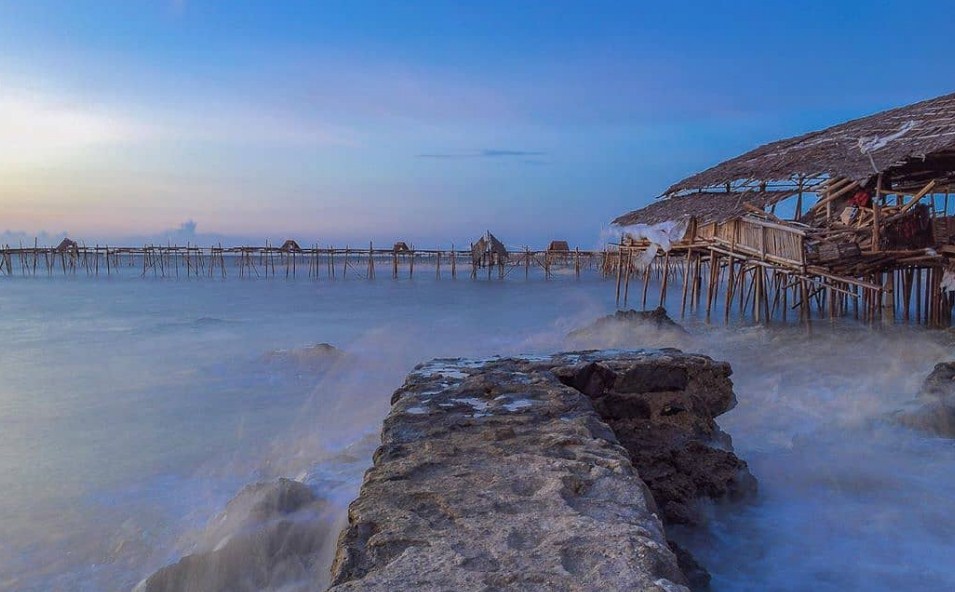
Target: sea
133 408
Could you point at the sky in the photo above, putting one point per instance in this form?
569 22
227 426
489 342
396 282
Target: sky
428 122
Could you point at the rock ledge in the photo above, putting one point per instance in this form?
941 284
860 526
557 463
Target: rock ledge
502 475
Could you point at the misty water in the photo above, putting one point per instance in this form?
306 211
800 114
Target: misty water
132 409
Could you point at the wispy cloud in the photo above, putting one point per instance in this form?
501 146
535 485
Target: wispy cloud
486 153
35 128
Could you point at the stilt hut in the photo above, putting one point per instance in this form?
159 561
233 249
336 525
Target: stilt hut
855 215
488 250
67 245
290 246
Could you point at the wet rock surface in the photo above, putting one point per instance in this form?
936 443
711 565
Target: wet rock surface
933 410
311 358
662 408
269 537
656 320
502 475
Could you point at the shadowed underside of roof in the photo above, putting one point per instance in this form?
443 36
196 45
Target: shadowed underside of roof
705 207
912 144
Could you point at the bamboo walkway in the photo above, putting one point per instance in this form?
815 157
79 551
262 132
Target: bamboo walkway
172 261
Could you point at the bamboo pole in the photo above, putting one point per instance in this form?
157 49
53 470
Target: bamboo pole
686 280
666 274
619 272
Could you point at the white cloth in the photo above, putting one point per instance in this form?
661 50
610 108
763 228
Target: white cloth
948 281
661 237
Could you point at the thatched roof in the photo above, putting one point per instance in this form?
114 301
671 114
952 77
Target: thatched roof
66 245
706 207
558 245
290 246
913 144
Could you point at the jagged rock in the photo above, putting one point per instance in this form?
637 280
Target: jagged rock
270 536
501 475
625 328
933 410
313 358
662 407
656 318
698 576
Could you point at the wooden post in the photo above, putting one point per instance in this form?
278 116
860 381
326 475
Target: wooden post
371 261
619 272
712 283
889 304
686 281
663 282
626 286
730 287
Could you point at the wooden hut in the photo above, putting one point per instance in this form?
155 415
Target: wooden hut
488 250
290 246
860 209
558 246
67 245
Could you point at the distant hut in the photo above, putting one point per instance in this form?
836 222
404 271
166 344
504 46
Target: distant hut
67 246
558 251
558 246
401 247
290 246
497 249
488 250
478 251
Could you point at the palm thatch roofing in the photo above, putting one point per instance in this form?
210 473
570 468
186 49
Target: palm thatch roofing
912 145
706 207
290 246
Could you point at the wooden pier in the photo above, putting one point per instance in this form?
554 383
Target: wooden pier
191 261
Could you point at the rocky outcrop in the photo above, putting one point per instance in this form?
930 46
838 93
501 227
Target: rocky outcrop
626 327
662 407
269 537
501 475
933 410
313 358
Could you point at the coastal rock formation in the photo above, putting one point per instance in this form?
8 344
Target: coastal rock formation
934 408
313 358
662 407
630 326
269 537
500 474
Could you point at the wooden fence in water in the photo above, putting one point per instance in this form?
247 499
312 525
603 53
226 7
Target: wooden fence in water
172 261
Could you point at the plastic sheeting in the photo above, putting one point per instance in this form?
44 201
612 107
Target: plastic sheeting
661 237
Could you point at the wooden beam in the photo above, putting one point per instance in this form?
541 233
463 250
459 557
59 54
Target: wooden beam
924 191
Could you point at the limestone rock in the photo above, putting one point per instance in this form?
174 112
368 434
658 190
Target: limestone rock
509 474
625 328
269 537
313 358
933 410
493 475
662 407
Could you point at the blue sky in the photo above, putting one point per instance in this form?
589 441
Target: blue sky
420 121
